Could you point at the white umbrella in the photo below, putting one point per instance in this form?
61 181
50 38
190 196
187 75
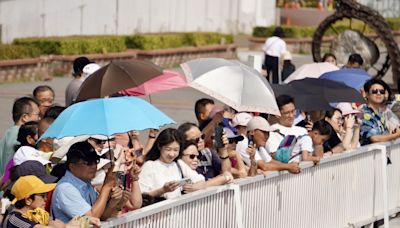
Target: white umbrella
233 83
312 70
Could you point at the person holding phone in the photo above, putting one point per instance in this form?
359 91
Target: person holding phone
162 171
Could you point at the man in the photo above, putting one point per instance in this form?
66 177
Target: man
211 163
44 95
72 89
202 110
25 109
252 148
74 194
355 61
373 127
285 123
274 48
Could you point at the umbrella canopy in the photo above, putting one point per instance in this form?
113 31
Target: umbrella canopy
116 76
303 100
312 70
332 91
166 81
354 78
233 83
106 116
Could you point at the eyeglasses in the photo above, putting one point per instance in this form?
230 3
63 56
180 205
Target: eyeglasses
43 195
102 142
197 140
90 163
378 91
193 156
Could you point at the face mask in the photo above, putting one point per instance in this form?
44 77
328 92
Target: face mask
99 178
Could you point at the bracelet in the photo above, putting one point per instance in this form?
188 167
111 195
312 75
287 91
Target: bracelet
227 156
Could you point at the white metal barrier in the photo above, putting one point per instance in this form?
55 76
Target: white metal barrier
345 190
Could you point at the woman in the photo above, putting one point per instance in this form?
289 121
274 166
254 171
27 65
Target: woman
345 134
161 173
273 48
30 197
329 58
190 156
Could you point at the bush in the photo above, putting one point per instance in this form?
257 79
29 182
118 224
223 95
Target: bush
9 51
75 45
174 40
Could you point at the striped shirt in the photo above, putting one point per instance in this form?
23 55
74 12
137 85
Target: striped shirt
15 220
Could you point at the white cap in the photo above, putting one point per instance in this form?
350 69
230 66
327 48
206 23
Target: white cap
90 69
259 123
241 119
346 108
102 163
27 153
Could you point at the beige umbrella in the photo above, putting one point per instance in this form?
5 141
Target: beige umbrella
312 70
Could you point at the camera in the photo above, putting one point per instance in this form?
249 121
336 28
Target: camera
251 140
121 178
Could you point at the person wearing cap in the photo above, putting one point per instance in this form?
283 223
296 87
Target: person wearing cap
238 169
287 67
74 194
71 92
345 132
29 198
239 122
285 123
212 163
258 130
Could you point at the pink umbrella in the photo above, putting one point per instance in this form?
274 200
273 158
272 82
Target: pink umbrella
166 81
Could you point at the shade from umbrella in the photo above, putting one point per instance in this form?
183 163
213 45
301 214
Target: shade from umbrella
116 76
106 116
354 78
312 70
233 83
303 100
166 81
332 91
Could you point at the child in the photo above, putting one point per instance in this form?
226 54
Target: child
310 147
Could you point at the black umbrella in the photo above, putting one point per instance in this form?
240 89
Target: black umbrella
303 100
313 94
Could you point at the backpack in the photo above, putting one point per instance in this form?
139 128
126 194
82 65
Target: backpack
284 151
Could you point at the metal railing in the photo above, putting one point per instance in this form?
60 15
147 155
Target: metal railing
345 190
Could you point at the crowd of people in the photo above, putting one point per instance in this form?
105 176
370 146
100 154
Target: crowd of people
82 180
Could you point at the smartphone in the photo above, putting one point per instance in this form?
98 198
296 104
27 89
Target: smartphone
218 132
121 178
184 181
251 140
139 152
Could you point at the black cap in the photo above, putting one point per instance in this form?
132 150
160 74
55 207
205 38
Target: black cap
31 167
82 151
79 64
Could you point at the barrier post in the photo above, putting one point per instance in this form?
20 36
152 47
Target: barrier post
238 205
382 148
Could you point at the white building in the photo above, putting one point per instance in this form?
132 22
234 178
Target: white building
41 18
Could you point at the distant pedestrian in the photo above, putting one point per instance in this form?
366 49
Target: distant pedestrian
288 68
355 61
329 58
72 89
274 47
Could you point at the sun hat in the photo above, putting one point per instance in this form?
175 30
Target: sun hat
346 108
90 69
259 123
27 153
28 185
241 119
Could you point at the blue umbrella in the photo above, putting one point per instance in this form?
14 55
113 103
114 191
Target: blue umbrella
106 116
354 78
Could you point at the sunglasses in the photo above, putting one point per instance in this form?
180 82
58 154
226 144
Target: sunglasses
197 140
378 91
193 156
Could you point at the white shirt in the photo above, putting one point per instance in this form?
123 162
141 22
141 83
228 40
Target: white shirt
275 138
274 46
261 153
304 143
156 173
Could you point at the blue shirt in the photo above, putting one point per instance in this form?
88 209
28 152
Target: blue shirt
372 124
72 197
